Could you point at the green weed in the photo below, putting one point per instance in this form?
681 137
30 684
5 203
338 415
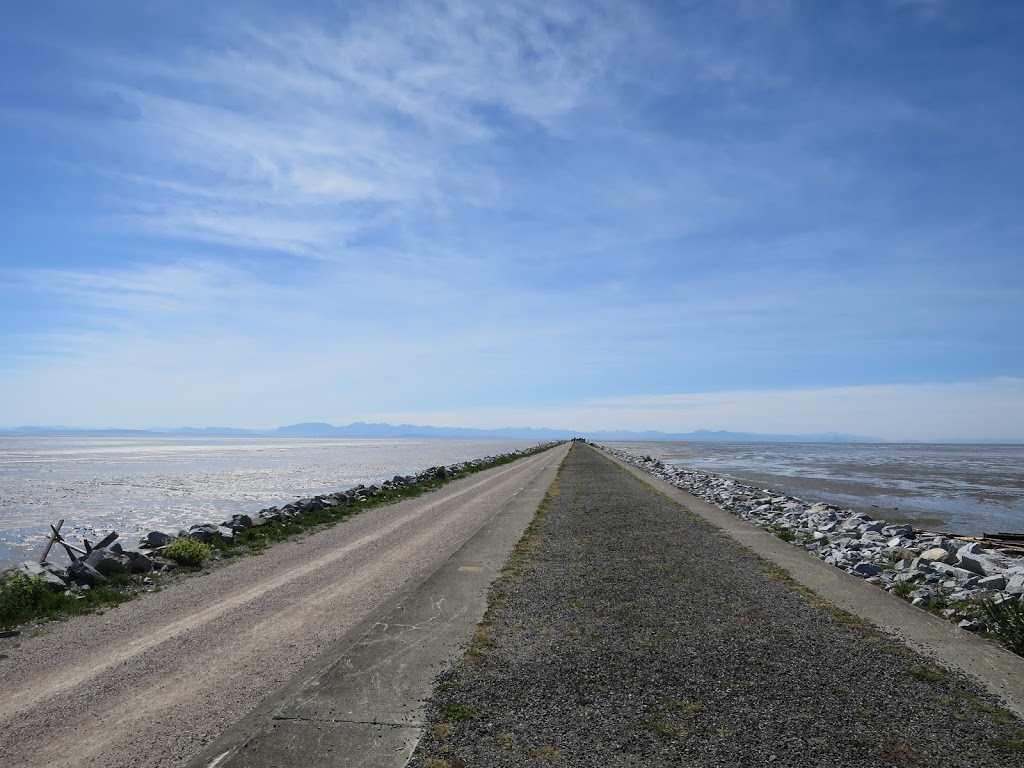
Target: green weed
1006 621
456 713
188 552
23 599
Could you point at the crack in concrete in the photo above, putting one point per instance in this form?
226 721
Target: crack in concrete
296 718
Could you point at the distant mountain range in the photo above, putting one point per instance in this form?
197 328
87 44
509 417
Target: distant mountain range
362 429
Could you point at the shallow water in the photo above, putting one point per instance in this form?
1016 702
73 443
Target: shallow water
134 485
968 489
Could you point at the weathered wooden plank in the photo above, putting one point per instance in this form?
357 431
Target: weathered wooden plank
54 537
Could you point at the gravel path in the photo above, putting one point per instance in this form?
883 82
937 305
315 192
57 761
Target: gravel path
640 636
151 682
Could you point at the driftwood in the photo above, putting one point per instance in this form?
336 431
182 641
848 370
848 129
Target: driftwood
53 538
1009 543
73 551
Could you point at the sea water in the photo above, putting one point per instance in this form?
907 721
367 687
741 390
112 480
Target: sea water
966 489
137 484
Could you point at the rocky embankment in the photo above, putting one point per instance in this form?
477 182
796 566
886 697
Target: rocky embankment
89 567
944 574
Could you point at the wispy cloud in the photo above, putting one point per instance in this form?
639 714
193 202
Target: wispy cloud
447 207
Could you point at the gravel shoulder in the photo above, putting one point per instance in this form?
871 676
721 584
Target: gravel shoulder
153 681
634 633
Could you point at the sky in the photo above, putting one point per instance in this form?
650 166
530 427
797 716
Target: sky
752 215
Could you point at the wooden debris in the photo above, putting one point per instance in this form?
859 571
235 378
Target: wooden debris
51 540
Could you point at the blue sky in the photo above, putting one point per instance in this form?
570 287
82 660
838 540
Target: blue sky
754 215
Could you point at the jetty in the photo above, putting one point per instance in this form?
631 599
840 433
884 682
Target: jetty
567 609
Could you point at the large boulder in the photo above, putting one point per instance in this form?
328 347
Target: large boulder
83 574
239 523
138 562
155 540
204 533
938 555
1014 581
977 562
107 562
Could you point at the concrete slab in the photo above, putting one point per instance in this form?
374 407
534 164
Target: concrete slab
1000 671
300 743
361 703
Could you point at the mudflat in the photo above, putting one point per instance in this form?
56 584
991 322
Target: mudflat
152 682
633 633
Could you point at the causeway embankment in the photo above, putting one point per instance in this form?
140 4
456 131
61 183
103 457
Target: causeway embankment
645 627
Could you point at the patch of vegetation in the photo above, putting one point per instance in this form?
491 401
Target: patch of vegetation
1006 621
507 740
928 674
786 534
545 754
901 754
456 713
683 707
188 552
23 599
668 729
903 589
1012 745
443 730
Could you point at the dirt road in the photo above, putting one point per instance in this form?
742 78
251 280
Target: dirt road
151 682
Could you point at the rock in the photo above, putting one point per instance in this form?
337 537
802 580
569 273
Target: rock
974 548
980 564
138 562
971 625
938 555
867 569
155 539
996 582
239 523
107 562
203 533
1015 581
49 574
83 574
925 595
